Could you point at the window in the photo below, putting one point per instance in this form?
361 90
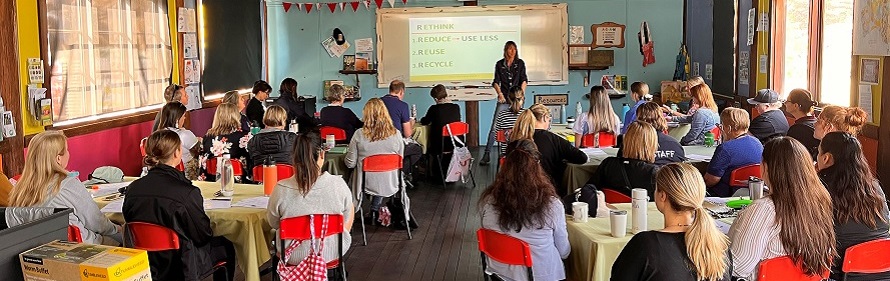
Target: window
106 58
812 48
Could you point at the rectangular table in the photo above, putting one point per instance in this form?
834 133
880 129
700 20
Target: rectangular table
247 228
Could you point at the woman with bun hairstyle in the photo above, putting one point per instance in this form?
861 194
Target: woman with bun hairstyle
838 118
800 106
166 198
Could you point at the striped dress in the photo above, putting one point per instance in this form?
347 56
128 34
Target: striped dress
755 237
504 121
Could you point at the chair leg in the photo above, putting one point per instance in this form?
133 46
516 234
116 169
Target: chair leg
484 274
441 169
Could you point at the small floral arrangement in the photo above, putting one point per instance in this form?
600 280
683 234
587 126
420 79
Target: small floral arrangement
220 147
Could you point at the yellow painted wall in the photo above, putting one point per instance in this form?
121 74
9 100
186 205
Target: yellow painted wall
875 89
762 39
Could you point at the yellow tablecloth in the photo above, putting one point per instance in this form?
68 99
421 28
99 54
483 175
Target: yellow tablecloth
679 131
421 135
247 228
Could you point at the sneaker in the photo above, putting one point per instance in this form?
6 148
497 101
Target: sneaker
485 159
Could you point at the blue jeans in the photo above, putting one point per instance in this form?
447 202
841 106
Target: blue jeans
376 202
493 132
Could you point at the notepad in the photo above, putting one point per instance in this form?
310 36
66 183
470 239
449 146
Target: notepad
116 206
106 189
217 203
256 202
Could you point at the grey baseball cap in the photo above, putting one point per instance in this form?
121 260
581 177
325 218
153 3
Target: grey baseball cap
764 96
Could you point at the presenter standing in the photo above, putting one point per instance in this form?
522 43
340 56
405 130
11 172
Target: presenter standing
509 72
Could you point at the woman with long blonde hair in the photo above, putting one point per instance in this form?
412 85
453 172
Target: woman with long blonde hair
669 149
703 119
45 182
225 136
795 219
636 167
234 97
533 124
654 255
599 117
378 136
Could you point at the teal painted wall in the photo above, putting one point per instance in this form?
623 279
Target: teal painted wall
295 50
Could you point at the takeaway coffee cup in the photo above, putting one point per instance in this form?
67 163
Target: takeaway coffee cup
579 211
618 223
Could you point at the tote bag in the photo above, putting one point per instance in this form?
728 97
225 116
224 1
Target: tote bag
311 268
461 160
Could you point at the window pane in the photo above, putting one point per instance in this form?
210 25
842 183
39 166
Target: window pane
107 56
797 31
837 50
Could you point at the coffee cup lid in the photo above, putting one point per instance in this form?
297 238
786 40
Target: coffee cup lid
618 212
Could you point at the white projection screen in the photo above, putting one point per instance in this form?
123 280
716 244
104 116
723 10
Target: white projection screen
459 46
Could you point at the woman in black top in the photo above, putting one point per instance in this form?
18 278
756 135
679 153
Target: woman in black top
255 109
509 73
165 197
636 169
437 116
290 100
555 150
669 149
860 208
800 105
273 143
335 115
689 247
225 137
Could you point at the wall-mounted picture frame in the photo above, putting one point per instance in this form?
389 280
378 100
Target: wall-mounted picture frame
578 54
349 62
869 71
607 35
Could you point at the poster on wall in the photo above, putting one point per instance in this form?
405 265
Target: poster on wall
751 19
744 67
181 19
869 71
191 72
192 91
364 45
871 29
576 34
865 100
190 45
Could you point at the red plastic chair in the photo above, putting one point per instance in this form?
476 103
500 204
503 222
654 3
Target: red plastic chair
458 129
739 177
504 249
236 166
501 138
339 134
284 171
867 257
297 229
606 139
382 163
180 167
784 269
142 146
614 197
716 132
74 234
155 238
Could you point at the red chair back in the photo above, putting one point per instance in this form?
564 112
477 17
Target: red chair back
236 166
868 257
457 129
501 136
716 132
606 139
382 163
739 177
615 197
504 248
284 171
74 234
501 161
180 167
152 237
142 146
339 134
296 228
784 269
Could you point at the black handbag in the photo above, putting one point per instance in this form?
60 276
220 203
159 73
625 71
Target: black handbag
586 194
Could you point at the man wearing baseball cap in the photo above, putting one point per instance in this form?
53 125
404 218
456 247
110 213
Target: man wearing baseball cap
771 122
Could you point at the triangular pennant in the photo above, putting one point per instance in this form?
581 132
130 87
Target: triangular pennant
367 4
379 3
342 6
354 6
332 6
318 7
286 6
404 1
392 3
308 7
299 6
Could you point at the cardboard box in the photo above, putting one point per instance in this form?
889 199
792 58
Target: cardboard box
65 261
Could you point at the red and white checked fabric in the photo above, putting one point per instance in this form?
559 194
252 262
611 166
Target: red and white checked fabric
311 268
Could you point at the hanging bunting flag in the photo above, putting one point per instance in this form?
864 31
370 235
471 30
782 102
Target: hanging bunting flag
342 6
392 3
404 1
308 7
287 6
367 4
332 6
354 6
379 3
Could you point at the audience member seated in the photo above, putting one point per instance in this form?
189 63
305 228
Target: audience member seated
235 98
703 119
403 120
273 142
176 93
437 116
165 197
505 120
554 150
311 193
255 109
794 218
669 149
46 183
225 137
378 136
636 168
172 117
771 122
800 105
638 90
522 203
290 100
738 149
860 208
335 115
839 119
694 104
689 247
599 118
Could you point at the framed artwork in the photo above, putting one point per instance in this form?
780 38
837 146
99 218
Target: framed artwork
869 71
578 55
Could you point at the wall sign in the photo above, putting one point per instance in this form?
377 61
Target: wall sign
607 35
552 99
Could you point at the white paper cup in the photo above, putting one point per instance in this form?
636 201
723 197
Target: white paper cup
618 223
579 211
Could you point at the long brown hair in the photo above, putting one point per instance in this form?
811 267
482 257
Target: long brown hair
702 93
600 116
650 113
705 244
524 128
42 170
307 149
853 188
169 116
521 189
803 205
226 120
378 124
160 147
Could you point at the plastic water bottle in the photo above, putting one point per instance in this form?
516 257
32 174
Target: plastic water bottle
226 176
563 114
624 110
578 111
270 176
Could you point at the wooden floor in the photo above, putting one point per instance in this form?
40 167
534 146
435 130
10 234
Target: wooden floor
443 247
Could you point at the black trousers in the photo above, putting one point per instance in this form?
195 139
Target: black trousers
221 249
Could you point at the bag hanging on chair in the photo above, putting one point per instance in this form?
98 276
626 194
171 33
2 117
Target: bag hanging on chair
312 267
461 160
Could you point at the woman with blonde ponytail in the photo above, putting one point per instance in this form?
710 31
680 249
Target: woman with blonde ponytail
690 247
504 120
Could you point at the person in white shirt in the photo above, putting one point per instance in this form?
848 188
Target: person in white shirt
172 117
599 118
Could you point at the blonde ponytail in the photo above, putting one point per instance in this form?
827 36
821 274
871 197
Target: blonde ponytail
524 127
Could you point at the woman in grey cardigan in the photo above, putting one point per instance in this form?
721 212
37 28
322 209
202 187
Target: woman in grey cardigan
522 203
378 136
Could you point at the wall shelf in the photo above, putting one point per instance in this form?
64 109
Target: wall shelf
357 72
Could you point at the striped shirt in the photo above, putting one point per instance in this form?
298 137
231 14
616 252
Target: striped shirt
755 237
504 120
